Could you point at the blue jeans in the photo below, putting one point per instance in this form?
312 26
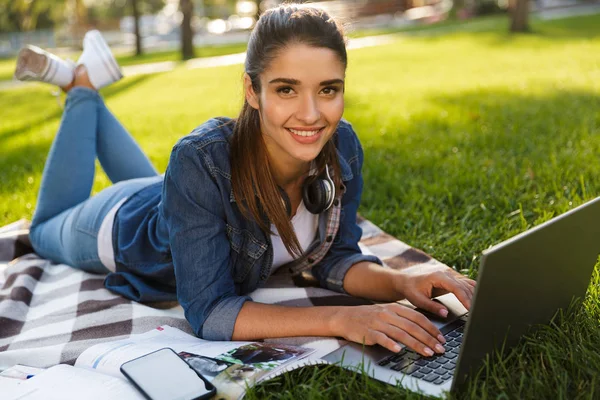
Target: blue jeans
66 220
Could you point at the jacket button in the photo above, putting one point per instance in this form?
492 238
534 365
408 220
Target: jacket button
310 260
329 238
336 202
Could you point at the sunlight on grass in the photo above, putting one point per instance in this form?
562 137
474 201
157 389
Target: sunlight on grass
7 68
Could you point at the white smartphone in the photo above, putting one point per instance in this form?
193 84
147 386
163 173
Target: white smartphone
163 375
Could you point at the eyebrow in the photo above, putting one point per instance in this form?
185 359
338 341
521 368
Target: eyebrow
290 81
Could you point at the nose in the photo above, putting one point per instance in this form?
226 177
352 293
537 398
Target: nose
308 111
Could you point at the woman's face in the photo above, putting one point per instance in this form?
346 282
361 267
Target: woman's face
301 102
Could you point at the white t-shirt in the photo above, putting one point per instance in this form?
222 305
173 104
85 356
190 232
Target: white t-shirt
305 225
105 245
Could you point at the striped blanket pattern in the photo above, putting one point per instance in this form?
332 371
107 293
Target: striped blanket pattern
50 313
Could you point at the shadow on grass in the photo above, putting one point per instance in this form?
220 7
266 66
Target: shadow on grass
36 105
28 157
19 164
479 168
129 83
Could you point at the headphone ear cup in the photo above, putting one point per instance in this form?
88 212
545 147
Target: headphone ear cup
317 196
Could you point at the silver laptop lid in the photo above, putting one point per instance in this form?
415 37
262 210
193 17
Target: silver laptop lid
524 280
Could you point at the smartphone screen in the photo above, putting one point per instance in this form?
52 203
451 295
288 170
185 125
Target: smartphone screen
163 375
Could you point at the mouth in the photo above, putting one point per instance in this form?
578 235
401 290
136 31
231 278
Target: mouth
305 133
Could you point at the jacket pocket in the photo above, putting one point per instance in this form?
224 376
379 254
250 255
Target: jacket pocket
245 251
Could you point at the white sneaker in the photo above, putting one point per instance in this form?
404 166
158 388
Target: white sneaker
101 66
35 64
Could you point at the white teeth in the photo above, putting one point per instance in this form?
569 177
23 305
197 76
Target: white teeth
304 133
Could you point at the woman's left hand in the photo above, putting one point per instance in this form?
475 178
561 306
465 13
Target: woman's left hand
420 283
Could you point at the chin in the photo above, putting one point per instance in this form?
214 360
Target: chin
306 158
306 153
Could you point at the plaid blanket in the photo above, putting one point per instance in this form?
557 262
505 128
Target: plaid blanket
50 313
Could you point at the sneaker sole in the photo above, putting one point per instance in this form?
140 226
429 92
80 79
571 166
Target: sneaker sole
32 65
106 56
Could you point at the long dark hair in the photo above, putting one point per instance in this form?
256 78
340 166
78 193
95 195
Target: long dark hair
254 188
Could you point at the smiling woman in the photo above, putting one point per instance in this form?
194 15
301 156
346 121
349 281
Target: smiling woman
278 186
298 101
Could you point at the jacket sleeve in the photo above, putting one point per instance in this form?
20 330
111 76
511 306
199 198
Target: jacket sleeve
194 211
345 252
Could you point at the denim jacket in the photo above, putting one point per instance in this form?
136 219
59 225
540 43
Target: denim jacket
187 236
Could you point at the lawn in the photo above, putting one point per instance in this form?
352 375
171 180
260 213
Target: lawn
469 136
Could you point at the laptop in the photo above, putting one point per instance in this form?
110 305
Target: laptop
522 282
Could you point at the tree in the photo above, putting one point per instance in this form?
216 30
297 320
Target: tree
519 14
136 24
187 33
29 15
257 16
111 10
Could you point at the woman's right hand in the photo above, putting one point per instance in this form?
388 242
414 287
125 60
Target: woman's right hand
388 325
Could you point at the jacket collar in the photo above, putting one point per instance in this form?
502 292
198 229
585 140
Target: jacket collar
347 174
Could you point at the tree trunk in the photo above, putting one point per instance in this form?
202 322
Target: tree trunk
80 16
187 34
257 15
136 23
519 16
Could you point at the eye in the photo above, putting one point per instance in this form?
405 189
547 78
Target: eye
286 90
330 90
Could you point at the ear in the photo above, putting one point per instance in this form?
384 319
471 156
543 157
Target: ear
251 96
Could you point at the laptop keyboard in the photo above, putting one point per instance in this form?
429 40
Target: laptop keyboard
436 369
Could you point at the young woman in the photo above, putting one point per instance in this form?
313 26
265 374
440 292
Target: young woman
279 185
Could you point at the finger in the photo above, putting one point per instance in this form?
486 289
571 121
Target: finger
458 276
410 341
435 292
420 319
424 302
396 322
469 289
426 340
471 282
452 286
383 340
461 280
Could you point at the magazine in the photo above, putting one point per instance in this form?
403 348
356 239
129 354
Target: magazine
232 367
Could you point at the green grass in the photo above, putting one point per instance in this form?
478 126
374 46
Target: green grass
7 67
470 137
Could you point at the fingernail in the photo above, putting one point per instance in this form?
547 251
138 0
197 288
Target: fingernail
444 312
439 348
397 348
441 339
428 351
